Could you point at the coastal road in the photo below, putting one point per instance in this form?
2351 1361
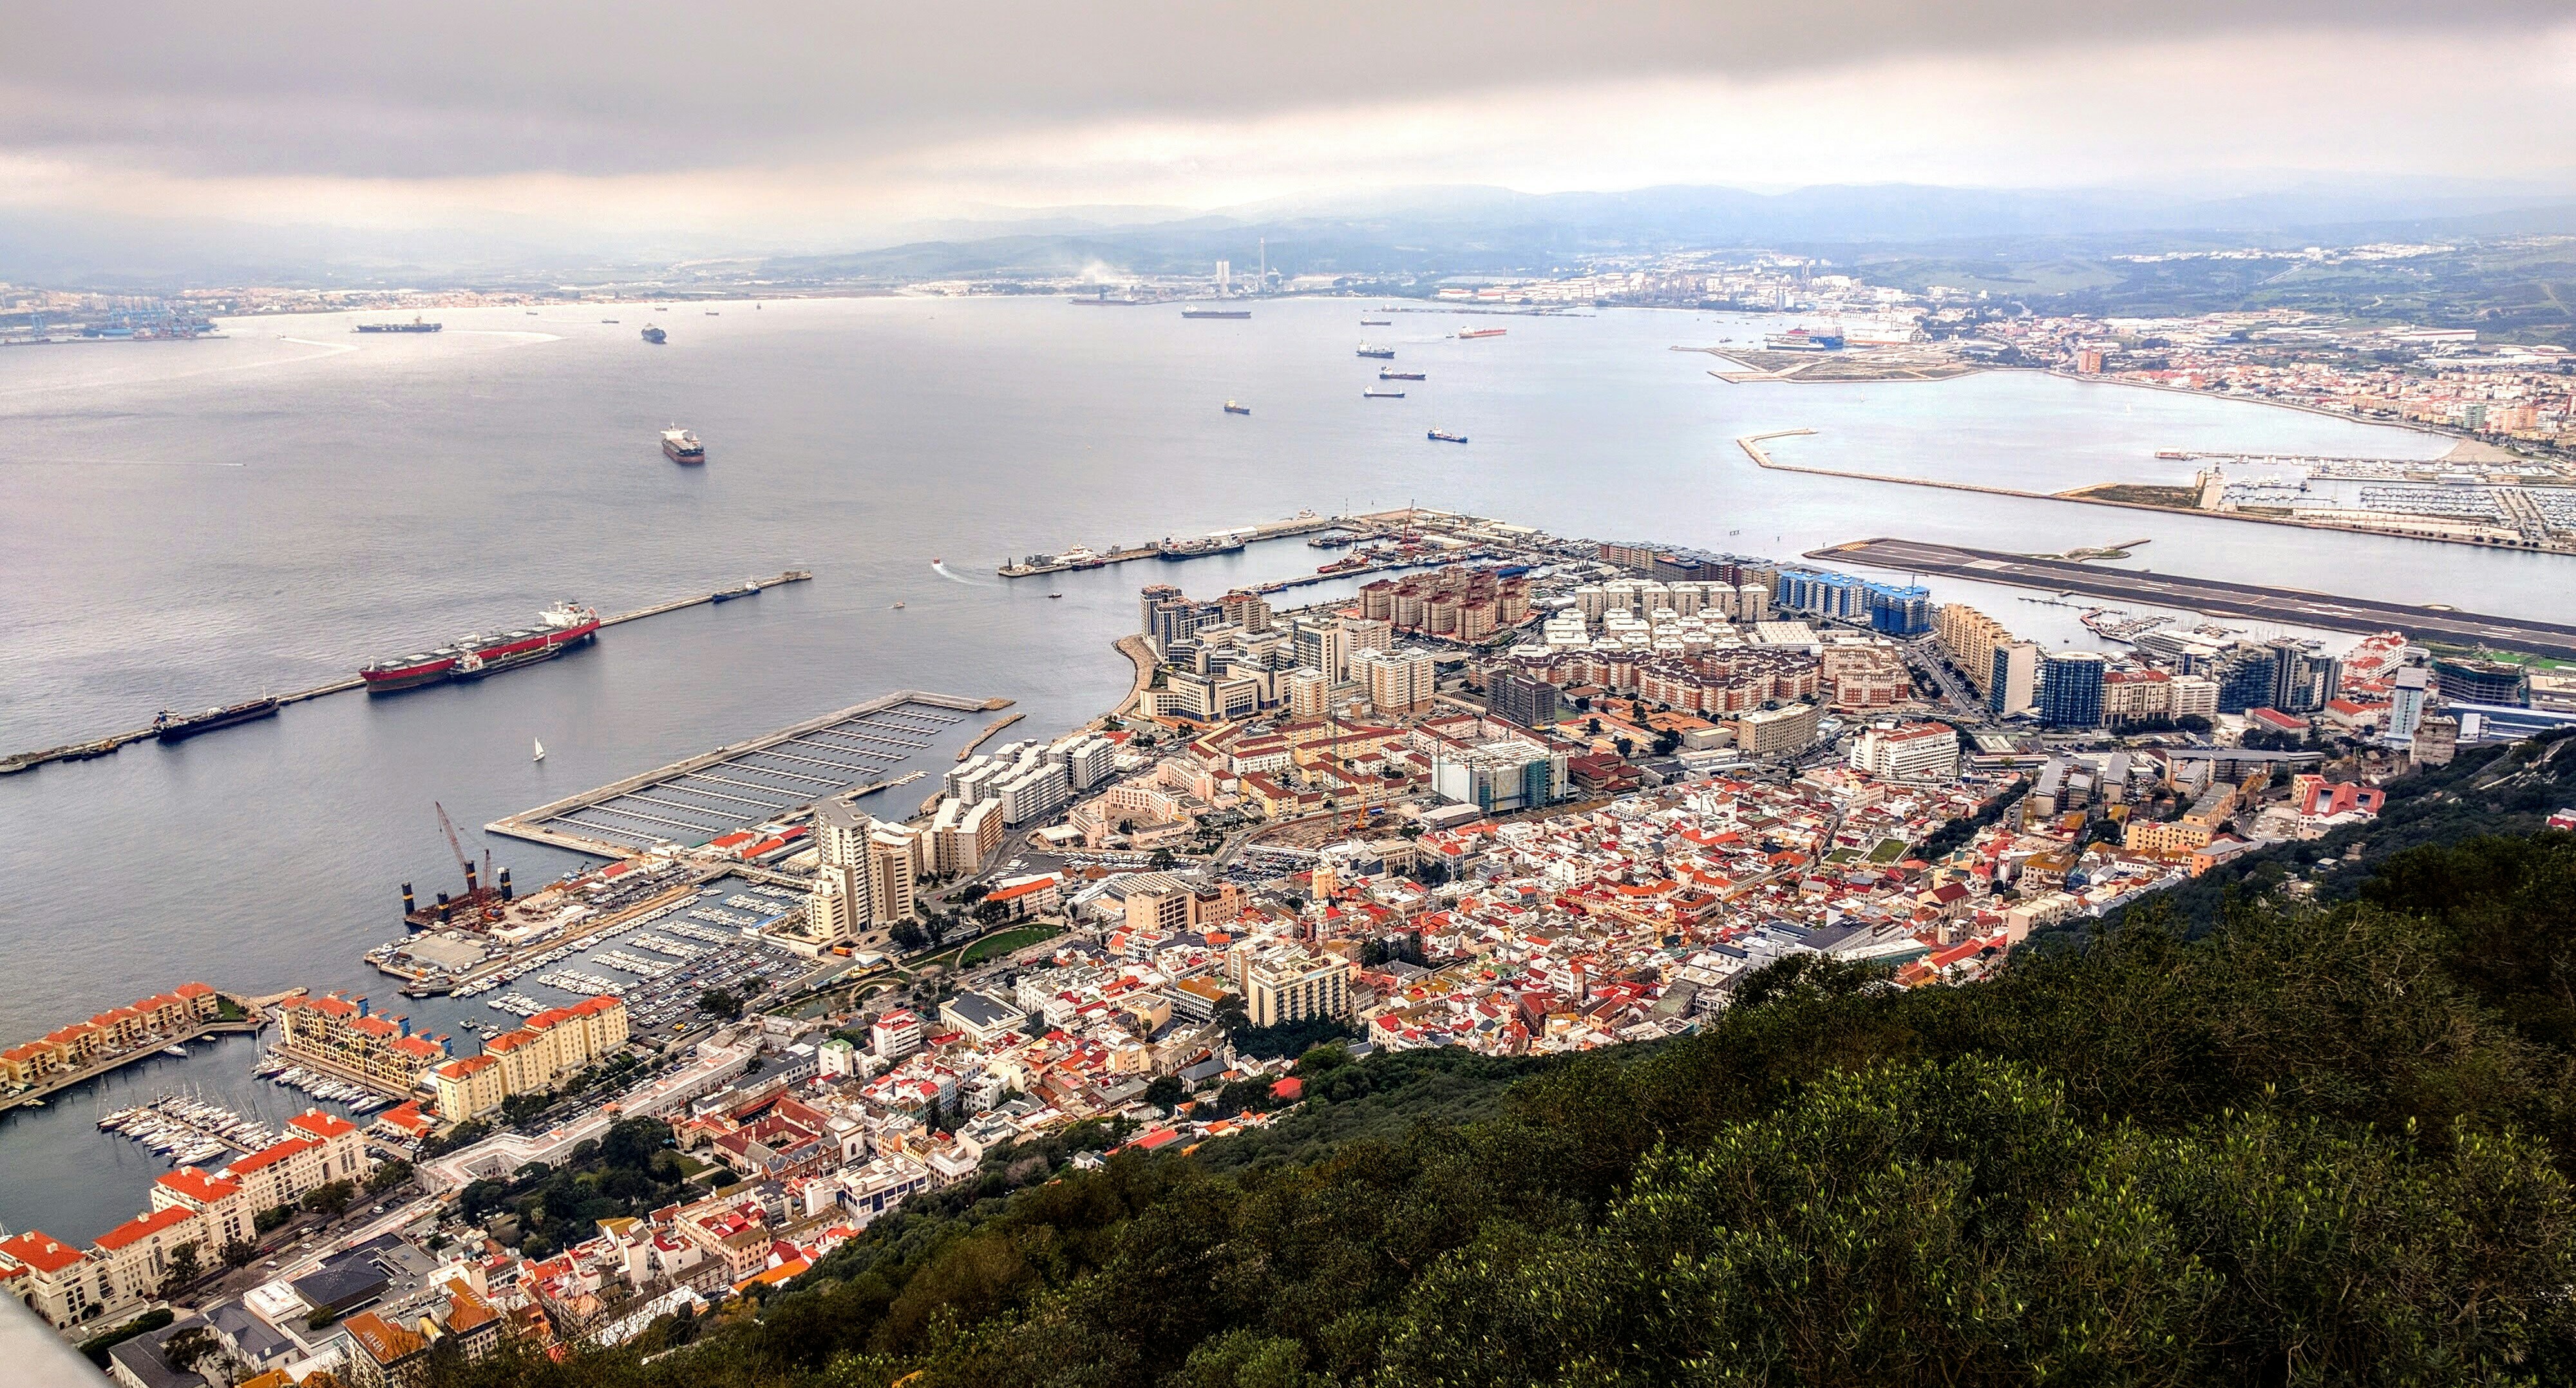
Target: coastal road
2214 597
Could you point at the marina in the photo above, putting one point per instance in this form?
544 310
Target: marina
697 799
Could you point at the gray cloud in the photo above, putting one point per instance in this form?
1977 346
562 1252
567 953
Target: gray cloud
405 90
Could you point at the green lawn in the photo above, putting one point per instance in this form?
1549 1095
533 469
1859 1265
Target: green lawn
993 945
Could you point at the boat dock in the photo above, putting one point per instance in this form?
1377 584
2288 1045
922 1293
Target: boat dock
2209 596
985 736
776 775
83 751
67 1079
1233 540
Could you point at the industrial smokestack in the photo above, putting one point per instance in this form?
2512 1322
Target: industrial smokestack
505 884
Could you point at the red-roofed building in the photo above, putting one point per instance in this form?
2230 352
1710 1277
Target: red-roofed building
61 1283
140 1253
219 1200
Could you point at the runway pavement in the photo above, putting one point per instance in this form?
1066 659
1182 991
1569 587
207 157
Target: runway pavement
2135 587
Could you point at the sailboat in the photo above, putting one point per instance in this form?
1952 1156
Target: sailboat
541 751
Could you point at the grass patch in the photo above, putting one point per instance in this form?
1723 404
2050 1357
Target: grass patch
1009 940
1888 851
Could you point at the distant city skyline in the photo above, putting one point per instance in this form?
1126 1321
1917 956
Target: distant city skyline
787 126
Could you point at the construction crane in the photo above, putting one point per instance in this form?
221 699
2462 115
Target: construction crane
454 846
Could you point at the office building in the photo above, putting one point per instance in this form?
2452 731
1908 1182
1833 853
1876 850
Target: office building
2070 689
2012 678
2466 681
2302 680
1500 776
1518 699
2244 673
2409 690
1907 752
1776 731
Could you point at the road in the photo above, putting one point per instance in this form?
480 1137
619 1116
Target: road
1924 653
2213 597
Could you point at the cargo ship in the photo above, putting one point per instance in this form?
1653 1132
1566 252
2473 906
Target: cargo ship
1216 313
681 446
1802 340
1444 436
563 626
750 589
179 727
652 334
1198 548
1482 332
414 326
1381 395
1384 375
1233 408
1381 353
1377 322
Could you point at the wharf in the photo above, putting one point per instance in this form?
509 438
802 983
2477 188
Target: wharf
1234 539
2210 597
985 736
776 775
54 1084
83 751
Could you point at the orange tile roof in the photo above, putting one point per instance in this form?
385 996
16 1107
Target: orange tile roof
138 1229
320 1124
383 1341
41 1251
196 1185
459 1069
270 1155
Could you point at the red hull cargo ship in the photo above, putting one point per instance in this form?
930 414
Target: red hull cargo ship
560 628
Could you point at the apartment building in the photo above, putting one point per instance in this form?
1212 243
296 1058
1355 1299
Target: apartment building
345 1035
1285 983
1396 682
1907 751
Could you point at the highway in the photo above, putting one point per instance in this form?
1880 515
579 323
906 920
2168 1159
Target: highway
2213 597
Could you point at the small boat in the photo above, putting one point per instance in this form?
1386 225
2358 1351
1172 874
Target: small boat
1055 595
654 335
541 751
174 1050
1444 436
1233 408
898 607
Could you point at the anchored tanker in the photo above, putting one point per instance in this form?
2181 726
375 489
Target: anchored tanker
564 625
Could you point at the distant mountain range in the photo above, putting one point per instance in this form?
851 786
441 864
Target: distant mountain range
1432 230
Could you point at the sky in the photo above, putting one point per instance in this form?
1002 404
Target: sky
805 122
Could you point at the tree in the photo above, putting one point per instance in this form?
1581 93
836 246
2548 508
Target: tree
387 1176
184 1268
908 937
1162 860
330 1198
275 1216
1165 1092
717 1002
239 1252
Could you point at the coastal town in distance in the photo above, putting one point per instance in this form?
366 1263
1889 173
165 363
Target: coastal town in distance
1523 794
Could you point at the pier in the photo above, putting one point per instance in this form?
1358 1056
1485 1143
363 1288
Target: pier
2209 596
985 736
67 1079
779 774
1231 540
83 751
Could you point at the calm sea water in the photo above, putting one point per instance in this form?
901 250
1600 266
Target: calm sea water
190 523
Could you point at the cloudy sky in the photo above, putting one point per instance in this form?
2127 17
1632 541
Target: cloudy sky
793 120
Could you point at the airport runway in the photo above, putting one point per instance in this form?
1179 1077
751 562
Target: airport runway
2135 587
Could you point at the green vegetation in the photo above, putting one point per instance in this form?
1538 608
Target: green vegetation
626 1171
272 1218
995 946
330 1198
97 1346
